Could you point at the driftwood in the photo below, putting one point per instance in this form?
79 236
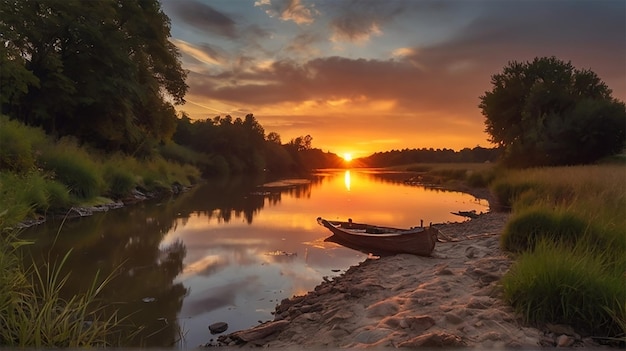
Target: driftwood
260 331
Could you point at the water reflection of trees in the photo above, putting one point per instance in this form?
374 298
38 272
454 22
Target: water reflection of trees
127 243
124 243
238 197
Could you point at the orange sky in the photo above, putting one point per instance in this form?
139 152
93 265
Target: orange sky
370 76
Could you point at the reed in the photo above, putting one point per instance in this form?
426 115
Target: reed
33 312
570 232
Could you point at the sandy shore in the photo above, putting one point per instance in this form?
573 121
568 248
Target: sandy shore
450 299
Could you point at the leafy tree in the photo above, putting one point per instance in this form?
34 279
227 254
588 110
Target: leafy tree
103 71
301 143
546 112
274 138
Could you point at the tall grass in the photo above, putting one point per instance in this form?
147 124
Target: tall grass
34 314
75 168
19 146
563 284
568 225
39 174
23 196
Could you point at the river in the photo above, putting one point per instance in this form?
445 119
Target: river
230 251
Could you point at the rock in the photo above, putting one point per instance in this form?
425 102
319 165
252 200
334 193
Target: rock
562 329
259 332
564 341
218 327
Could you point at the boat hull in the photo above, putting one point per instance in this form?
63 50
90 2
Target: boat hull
384 240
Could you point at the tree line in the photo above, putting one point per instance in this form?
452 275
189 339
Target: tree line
430 155
227 145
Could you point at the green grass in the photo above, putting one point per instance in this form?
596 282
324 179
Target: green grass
19 146
39 174
33 312
569 229
74 167
559 284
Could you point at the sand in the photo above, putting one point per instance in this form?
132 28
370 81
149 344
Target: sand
452 299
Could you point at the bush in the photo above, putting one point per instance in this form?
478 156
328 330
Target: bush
177 153
558 284
120 182
24 195
18 145
74 168
58 195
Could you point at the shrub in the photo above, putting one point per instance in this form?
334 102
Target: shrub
18 145
58 195
558 284
120 182
21 196
74 168
178 153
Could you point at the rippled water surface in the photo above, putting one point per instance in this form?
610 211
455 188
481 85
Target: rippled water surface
231 251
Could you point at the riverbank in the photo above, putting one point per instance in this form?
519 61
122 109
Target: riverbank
450 299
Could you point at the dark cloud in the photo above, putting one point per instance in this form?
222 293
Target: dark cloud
204 17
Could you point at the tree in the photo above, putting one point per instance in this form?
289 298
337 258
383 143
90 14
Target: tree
301 143
103 71
546 112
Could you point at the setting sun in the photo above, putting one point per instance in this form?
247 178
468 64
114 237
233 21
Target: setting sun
347 156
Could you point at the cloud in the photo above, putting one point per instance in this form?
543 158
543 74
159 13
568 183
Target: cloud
289 10
203 53
428 85
204 17
354 29
358 21
303 44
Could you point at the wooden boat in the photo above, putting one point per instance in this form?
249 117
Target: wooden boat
418 240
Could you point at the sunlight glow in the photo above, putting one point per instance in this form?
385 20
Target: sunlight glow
347 156
347 180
